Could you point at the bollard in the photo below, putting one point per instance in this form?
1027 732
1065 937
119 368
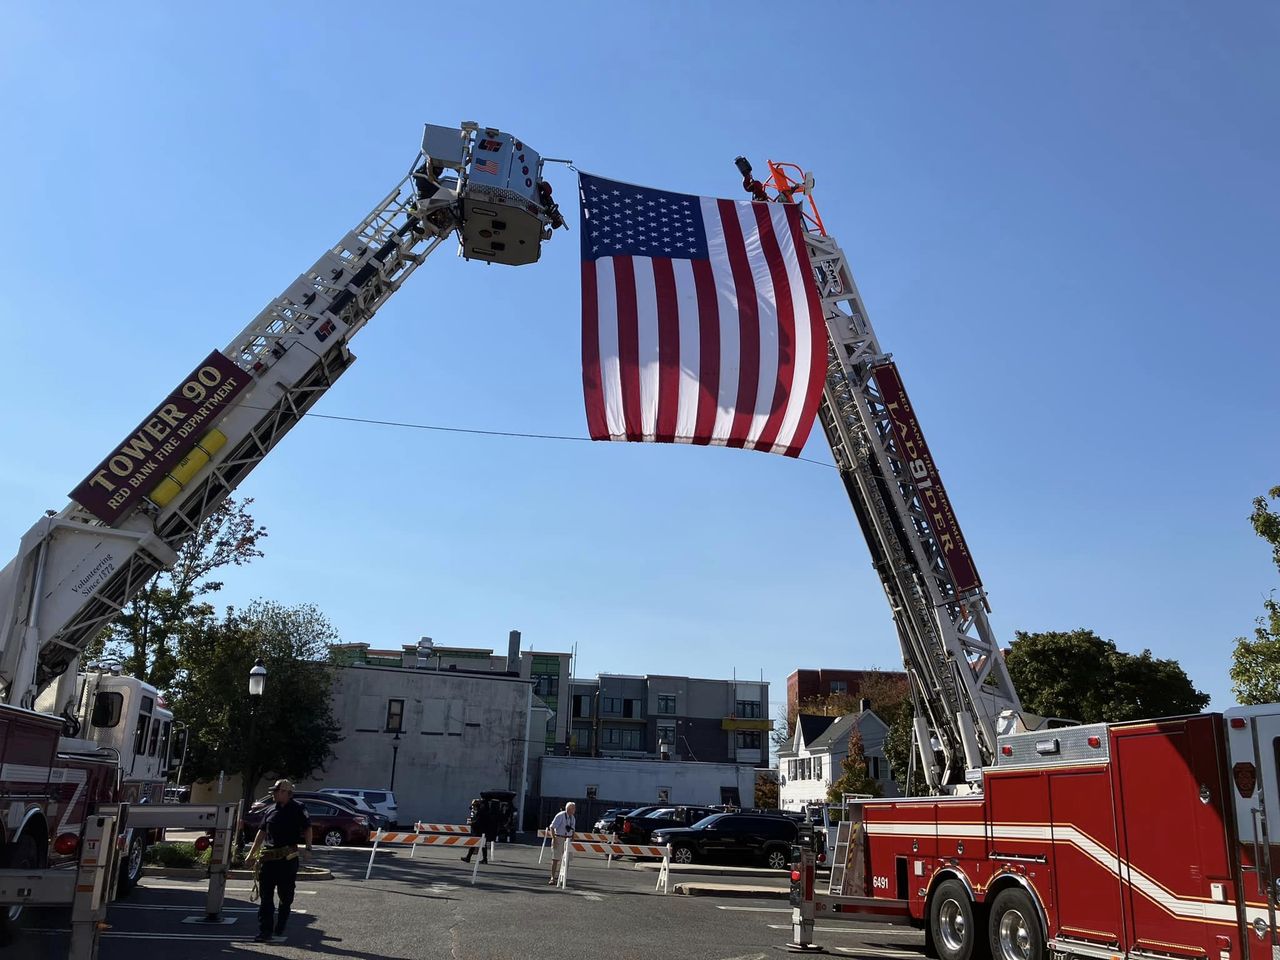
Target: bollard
803 902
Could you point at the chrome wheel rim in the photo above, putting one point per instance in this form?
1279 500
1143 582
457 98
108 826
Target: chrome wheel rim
777 860
333 839
135 860
952 926
1015 936
682 856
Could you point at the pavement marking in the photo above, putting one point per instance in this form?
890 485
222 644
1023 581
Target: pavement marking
860 930
193 886
158 906
589 896
721 906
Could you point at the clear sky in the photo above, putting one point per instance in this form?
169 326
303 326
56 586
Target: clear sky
1063 218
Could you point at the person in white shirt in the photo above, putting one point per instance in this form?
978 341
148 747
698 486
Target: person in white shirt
561 830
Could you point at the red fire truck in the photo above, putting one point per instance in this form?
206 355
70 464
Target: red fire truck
1146 839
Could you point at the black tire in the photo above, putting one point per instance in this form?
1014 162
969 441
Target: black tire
131 864
777 858
334 838
23 855
951 921
1013 930
682 854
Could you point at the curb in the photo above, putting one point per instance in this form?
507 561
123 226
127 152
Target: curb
199 873
729 890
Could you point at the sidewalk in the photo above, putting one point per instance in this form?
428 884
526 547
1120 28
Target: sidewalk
703 889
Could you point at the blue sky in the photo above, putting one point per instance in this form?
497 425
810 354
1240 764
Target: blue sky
1063 219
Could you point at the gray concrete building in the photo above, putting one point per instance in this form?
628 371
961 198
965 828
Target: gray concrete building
682 718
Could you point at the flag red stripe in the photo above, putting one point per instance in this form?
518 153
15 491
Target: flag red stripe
786 327
624 274
704 283
749 321
818 332
592 391
664 283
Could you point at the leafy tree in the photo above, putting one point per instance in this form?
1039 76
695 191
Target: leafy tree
854 776
1255 664
767 791
884 690
1077 675
292 730
153 625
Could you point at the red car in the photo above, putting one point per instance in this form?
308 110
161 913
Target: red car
333 823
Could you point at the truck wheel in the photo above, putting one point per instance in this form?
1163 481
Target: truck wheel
1014 927
131 865
24 855
951 926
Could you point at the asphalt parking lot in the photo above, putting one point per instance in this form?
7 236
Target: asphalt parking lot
427 907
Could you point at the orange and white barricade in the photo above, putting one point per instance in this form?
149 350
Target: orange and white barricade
447 828
586 837
454 841
611 850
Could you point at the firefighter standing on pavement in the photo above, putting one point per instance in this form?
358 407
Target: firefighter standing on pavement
284 828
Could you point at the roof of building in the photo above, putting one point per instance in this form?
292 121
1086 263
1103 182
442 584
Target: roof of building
836 733
813 726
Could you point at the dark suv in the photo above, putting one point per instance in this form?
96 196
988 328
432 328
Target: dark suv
742 838
640 829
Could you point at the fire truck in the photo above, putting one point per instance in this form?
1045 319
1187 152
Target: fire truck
72 740
1137 840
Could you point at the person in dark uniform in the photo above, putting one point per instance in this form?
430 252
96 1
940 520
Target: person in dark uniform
480 821
284 828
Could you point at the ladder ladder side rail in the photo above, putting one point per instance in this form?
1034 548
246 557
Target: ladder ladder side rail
391 219
865 417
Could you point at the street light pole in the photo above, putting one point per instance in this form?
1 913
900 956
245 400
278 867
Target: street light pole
395 750
257 685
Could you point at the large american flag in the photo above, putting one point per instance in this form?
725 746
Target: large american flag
701 322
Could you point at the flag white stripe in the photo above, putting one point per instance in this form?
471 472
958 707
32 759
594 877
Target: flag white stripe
727 298
647 343
690 346
610 365
804 329
767 318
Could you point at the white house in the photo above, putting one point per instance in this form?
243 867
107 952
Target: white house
812 762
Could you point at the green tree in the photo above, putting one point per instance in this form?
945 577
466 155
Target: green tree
146 636
898 747
854 776
767 791
1076 675
1255 663
292 730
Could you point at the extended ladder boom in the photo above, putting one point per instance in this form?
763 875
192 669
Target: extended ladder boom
76 569
959 683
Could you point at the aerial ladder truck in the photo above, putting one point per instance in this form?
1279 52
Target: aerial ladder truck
76 569
1141 840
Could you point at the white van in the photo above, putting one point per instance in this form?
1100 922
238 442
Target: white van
383 801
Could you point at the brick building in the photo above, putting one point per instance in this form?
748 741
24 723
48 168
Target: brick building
805 684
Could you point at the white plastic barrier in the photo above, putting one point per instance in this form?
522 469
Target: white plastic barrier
446 828
596 837
611 850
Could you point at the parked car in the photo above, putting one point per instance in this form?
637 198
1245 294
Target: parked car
634 812
605 823
334 821
384 801
741 838
640 829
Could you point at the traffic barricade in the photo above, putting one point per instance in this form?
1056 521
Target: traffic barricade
447 828
611 850
586 837
451 840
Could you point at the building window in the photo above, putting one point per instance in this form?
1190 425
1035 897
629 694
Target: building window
611 736
611 705
593 791
874 763
666 703
632 739
582 704
547 685
749 709
791 769
666 734
631 708
664 794
581 736
839 686
817 768
748 739
395 716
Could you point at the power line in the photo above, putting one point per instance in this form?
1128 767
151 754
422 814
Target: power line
405 425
